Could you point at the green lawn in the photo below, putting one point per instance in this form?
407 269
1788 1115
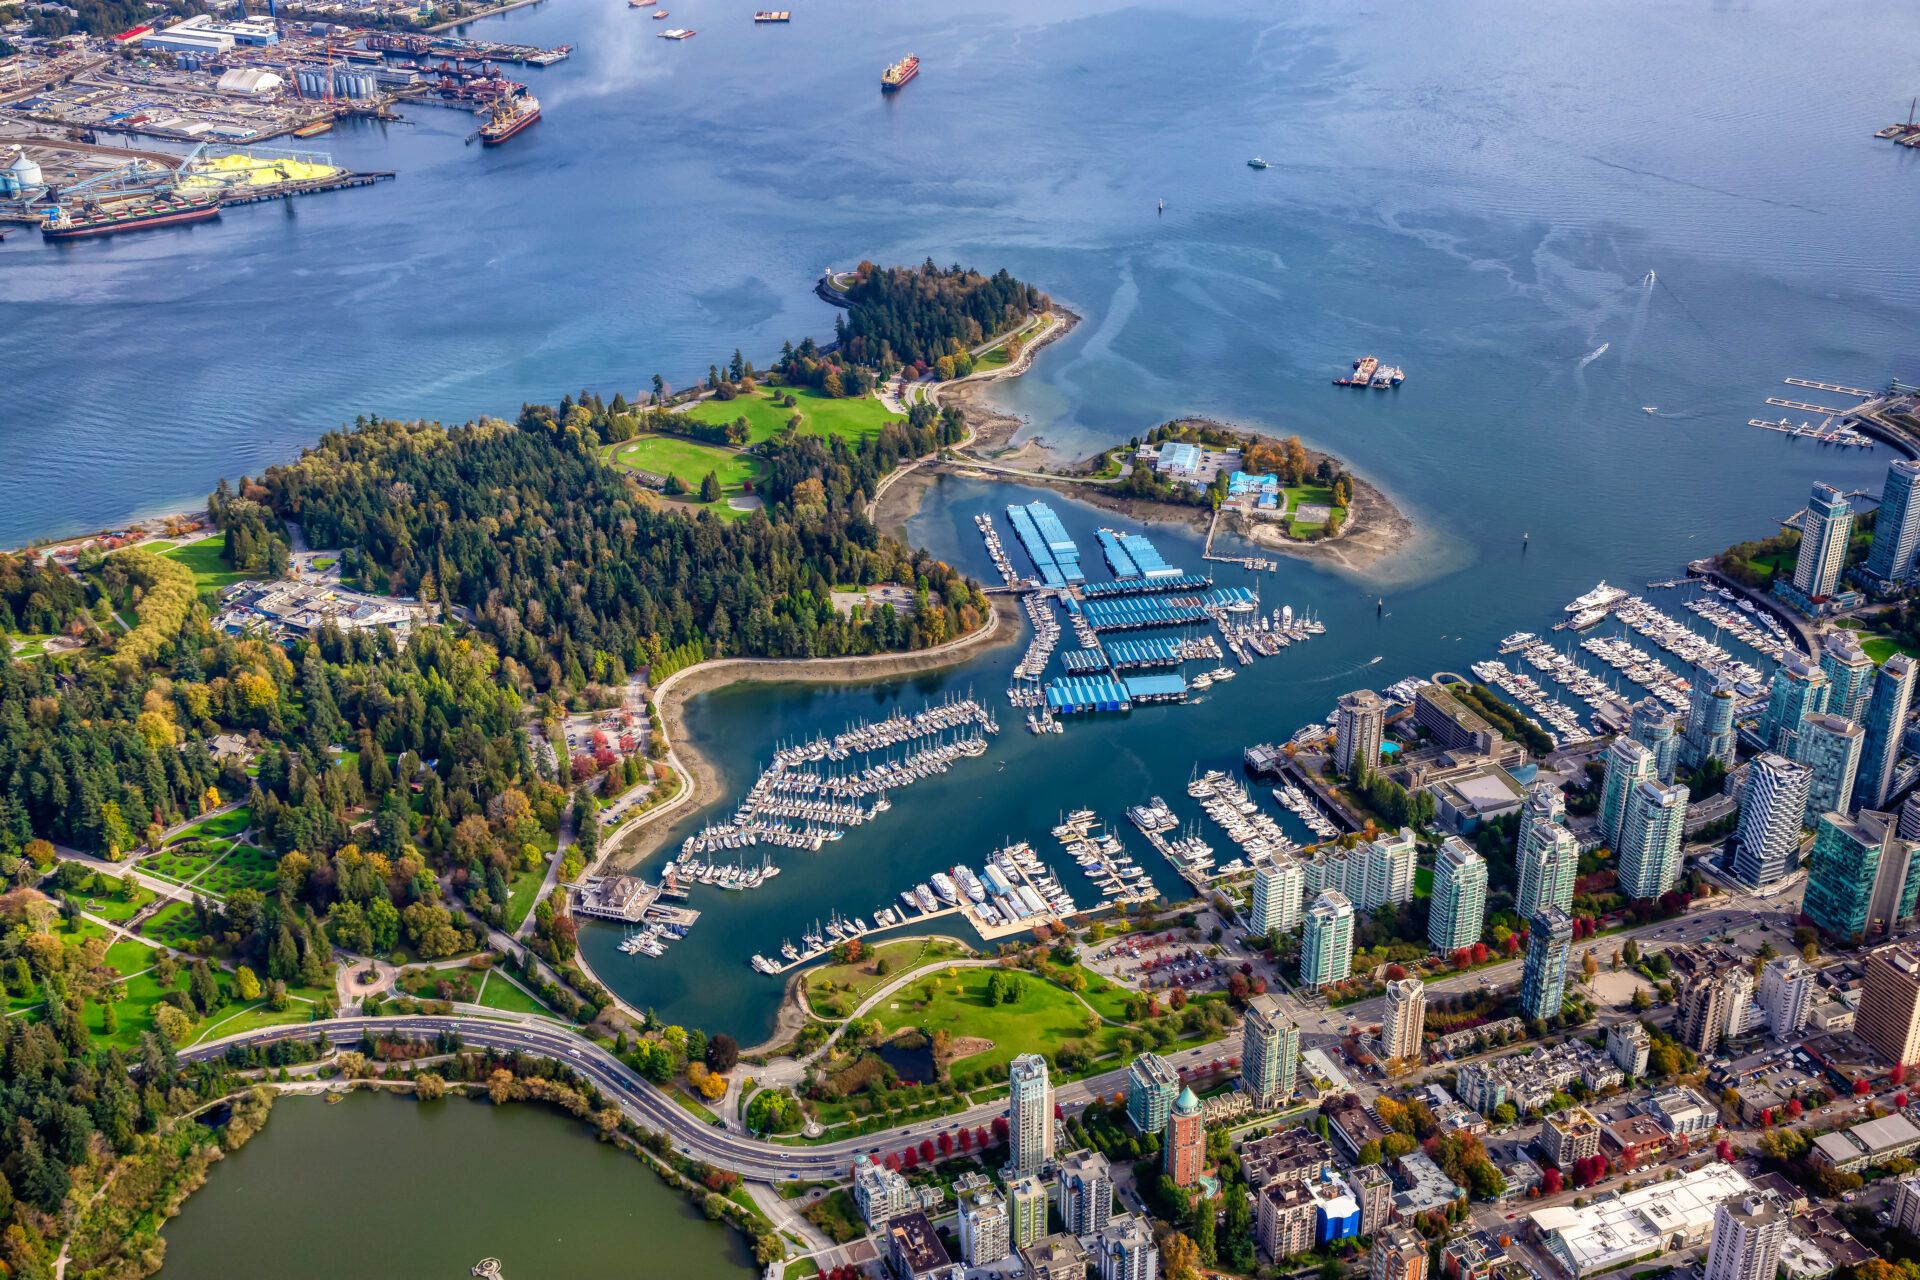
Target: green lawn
820 415
227 1022
500 992
230 823
28 646
523 892
244 868
1307 494
174 925
118 909
207 560
688 459
322 563
1880 648
1042 1020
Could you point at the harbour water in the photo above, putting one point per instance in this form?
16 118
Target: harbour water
1552 217
384 1188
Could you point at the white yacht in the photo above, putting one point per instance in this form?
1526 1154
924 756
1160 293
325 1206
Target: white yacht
1518 640
1599 598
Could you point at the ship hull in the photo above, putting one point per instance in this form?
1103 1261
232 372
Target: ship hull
166 218
888 85
496 138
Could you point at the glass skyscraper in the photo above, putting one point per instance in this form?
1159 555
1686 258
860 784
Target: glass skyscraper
1799 690
1885 724
1829 746
1650 838
1458 910
1653 728
1823 541
1628 765
1849 673
1896 530
1543 982
1710 733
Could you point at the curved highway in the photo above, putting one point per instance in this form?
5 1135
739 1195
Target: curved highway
645 1103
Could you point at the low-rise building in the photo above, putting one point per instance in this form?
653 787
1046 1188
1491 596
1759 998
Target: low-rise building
1867 1143
914 1251
1527 1080
1648 1221
1831 1018
1682 1111
1637 1139
1352 1125
1474 1256
879 1192
1424 1188
1295 1152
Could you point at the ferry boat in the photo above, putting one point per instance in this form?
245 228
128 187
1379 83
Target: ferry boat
899 73
1600 597
164 210
508 116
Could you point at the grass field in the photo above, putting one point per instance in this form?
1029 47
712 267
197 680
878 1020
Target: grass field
173 924
688 459
208 563
1308 495
122 908
1044 1018
523 892
1880 648
820 415
27 646
499 992
230 823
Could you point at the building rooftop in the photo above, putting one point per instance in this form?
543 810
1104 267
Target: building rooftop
912 1239
1639 1222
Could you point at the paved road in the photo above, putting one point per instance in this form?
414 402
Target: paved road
648 1105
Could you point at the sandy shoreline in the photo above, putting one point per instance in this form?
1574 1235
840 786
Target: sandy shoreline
645 835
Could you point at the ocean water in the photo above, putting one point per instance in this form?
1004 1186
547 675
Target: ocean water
1554 217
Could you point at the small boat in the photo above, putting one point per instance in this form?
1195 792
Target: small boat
1649 408
662 14
1257 163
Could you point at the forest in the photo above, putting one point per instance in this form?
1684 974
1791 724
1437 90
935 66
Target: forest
577 576
915 315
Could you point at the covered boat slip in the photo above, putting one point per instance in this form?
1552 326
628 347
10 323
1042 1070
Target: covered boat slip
1128 614
1138 586
1029 535
1117 558
1071 695
1084 660
1156 651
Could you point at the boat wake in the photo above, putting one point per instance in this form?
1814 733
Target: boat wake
1594 354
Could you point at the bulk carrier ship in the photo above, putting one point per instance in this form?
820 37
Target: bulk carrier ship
161 210
509 116
899 73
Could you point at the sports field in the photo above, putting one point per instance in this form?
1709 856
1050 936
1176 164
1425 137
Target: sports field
205 558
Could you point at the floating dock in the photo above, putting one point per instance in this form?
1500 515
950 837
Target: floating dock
1081 661
1117 558
1157 651
1162 688
1074 694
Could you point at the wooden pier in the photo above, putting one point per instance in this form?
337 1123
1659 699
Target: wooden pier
1246 562
1804 407
1831 386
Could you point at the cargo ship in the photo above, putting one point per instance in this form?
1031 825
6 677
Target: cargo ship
508 117
899 73
1362 373
161 210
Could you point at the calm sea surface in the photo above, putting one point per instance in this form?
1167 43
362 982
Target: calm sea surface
1553 216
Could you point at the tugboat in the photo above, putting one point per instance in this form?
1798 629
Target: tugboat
509 115
899 73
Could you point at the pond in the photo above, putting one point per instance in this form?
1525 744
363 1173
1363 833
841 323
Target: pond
378 1187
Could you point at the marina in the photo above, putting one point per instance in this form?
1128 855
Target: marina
1103 859
1013 893
1224 799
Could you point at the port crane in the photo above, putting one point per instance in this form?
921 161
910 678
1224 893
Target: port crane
136 178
